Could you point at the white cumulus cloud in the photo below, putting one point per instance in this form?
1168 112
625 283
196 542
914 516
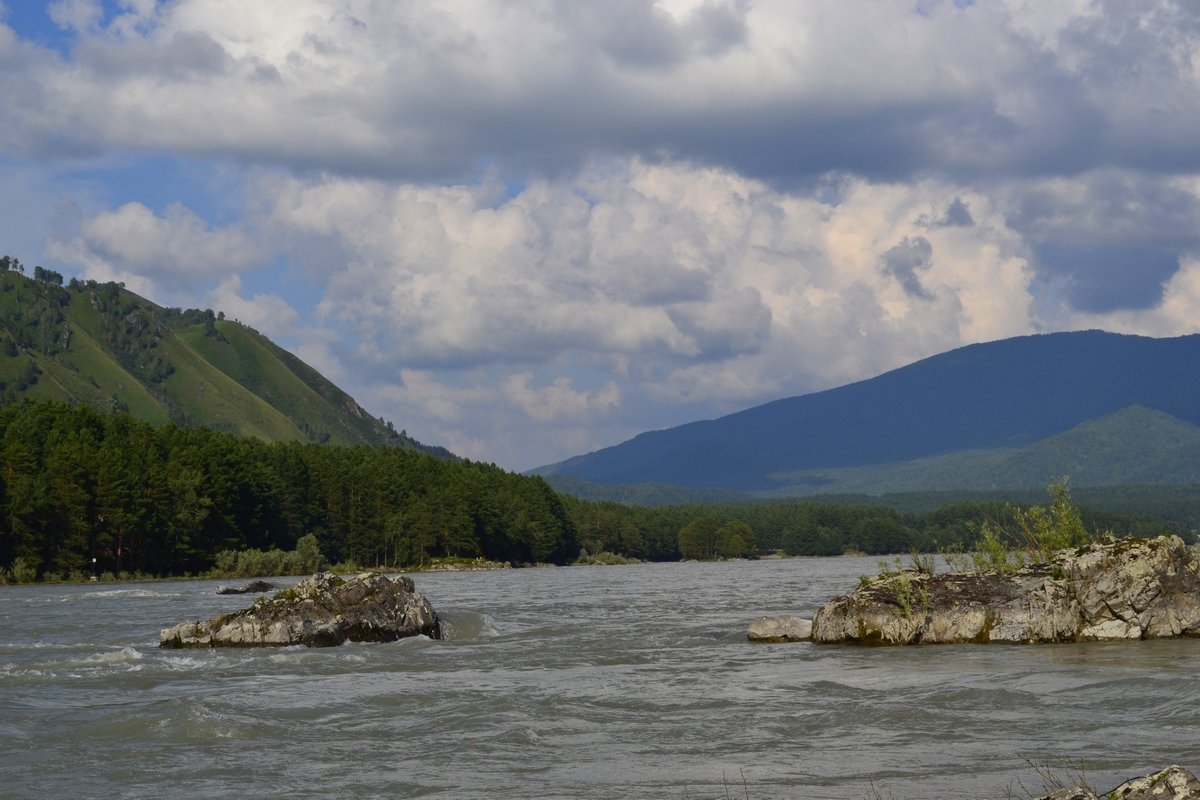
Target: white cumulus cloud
526 228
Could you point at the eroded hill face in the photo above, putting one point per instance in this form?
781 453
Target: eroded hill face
103 346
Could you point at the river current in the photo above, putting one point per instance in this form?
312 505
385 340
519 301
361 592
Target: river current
583 682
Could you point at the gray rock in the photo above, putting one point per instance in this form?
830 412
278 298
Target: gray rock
1122 589
780 629
320 611
1172 783
253 587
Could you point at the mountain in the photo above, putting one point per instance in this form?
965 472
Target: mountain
101 345
1135 446
981 414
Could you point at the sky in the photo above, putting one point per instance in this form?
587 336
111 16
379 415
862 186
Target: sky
528 229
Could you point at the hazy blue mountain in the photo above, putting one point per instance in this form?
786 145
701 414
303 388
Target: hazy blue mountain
1003 395
1133 446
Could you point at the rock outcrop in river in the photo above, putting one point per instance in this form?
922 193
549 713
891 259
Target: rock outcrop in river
780 629
253 587
320 611
1122 589
1172 783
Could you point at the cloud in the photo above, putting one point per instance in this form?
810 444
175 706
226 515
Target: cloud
531 228
178 244
268 313
775 90
79 15
957 214
559 400
1109 238
659 273
639 35
1175 314
907 261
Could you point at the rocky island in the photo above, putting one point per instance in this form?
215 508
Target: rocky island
322 611
1172 783
1112 589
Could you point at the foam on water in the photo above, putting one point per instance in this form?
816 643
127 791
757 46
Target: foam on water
299 655
14 647
122 655
125 593
177 663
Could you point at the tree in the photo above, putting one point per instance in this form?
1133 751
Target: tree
698 539
308 554
736 540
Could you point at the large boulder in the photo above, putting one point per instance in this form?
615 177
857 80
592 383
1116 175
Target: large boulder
253 587
780 629
1172 783
1115 589
320 611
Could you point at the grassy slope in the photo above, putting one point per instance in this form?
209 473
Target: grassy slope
83 372
239 382
272 374
207 396
100 372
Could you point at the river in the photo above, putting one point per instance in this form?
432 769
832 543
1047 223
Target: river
583 682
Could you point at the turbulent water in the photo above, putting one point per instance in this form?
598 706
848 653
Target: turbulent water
602 682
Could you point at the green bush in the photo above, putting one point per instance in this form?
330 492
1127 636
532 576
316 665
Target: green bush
1040 531
909 586
604 558
24 570
1047 529
308 554
304 560
225 563
993 554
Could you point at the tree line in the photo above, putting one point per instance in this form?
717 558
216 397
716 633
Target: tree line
816 527
77 484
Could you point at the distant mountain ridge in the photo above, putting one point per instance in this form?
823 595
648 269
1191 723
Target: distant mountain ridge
1135 446
101 345
984 401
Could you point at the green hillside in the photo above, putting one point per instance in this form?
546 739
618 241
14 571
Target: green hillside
292 388
1135 449
1133 446
99 345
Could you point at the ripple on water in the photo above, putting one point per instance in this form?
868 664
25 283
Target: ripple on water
83 661
567 683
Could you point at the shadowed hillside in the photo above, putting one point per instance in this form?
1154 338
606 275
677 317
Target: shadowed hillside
999 396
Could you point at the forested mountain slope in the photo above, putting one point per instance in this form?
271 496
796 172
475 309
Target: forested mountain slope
100 345
1135 446
1000 395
